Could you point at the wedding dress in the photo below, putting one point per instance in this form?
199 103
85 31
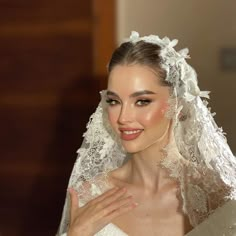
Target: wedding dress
221 223
197 156
109 230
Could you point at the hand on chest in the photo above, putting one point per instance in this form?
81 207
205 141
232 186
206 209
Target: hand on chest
154 208
158 212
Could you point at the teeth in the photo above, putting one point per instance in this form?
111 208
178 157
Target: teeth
131 132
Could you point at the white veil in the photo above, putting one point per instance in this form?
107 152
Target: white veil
203 162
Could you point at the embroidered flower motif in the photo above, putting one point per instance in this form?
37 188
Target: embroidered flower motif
179 73
134 35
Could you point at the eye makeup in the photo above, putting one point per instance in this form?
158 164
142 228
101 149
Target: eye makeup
143 102
112 102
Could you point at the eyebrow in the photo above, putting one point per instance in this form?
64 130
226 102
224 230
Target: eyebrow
135 94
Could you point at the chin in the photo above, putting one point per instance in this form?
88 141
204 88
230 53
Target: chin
131 147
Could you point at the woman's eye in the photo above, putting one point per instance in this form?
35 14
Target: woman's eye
143 102
111 102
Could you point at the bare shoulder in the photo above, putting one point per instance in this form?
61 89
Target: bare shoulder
92 188
96 186
102 183
120 176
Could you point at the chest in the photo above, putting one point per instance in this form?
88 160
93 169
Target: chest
154 216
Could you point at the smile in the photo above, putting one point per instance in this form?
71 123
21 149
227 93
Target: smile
131 132
128 135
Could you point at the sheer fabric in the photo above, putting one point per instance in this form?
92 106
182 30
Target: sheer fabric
197 155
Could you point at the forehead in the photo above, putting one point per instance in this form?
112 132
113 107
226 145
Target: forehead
131 78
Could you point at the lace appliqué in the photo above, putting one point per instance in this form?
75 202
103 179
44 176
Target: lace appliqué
206 172
199 156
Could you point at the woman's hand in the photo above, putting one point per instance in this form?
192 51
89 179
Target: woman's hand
97 213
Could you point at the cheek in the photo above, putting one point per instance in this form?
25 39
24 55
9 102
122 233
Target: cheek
157 114
165 107
112 116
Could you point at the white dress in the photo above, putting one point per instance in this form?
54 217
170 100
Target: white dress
221 223
198 195
109 230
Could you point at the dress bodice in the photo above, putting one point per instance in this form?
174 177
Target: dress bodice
221 222
111 230
108 230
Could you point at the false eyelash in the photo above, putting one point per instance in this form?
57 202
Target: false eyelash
144 102
110 101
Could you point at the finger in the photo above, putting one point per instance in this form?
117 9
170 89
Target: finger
111 198
74 201
101 203
112 207
117 204
104 195
118 212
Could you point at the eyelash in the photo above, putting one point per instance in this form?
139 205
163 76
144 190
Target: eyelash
112 102
144 102
139 102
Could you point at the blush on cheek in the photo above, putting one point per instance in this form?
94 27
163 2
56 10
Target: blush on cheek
112 118
164 107
154 116
157 114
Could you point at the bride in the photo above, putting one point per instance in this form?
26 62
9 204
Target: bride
153 161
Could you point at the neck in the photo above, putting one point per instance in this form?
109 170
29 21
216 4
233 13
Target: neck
145 166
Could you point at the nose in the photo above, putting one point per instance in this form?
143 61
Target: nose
126 115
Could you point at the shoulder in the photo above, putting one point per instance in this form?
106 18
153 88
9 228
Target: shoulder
92 188
120 176
101 183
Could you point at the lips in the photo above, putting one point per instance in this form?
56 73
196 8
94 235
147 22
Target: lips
128 134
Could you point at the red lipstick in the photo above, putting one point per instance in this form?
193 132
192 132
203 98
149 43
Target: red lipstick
129 134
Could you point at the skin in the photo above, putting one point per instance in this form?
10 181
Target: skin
158 211
138 101
97 213
144 200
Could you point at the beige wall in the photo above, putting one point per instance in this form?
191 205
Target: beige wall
204 26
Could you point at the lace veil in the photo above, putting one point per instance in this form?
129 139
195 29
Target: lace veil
202 162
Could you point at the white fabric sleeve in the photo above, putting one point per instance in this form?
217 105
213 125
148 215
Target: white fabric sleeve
221 222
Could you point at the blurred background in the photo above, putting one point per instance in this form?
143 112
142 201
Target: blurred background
53 57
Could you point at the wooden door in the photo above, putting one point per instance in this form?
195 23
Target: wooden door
52 65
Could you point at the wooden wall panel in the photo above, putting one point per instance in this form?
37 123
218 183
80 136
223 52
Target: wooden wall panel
104 25
48 89
34 64
39 152
26 11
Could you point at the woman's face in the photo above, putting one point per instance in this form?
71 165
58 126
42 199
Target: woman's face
137 103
